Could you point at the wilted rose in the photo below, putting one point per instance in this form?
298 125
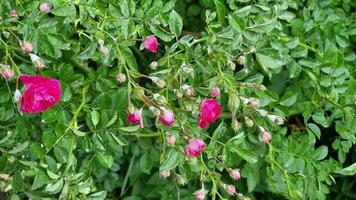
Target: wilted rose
195 147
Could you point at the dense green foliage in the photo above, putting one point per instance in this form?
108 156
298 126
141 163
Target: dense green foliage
285 65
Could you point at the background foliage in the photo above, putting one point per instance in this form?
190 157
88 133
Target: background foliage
296 57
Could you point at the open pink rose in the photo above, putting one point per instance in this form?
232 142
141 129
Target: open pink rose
195 147
210 110
151 44
41 93
135 117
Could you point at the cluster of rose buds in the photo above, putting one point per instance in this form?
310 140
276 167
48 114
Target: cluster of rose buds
6 72
210 110
45 7
166 117
151 44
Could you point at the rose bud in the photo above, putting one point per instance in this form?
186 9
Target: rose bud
45 7
17 96
153 65
6 72
200 194
135 117
255 103
41 93
27 47
249 122
104 50
231 65
210 110
159 98
215 91
167 117
188 90
235 124
13 13
170 139
151 44
195 147
265 137
155 110
121 77
180 180
231 189
241 60
234 173
165 173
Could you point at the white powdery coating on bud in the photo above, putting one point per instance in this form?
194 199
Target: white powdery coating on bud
6 34
178 93
180 180
153 65
241 60
121 77
165 174
235 124
161 83
249 122
155 96
34 57
245 100
104 50
17 96
263 113
231 65
39 64
261 129
101 42
188 90
255 103
155 110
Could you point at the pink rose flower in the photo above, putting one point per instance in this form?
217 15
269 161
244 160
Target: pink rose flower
200 194
13 13
210 110
135 117
27 47
167 117
215 91
41 93
195 147
151 44
45 7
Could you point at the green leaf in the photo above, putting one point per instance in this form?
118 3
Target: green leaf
95 116
347 171
288 99
161 34
97 196
65 10
221 10
236 22
78 132
130 129
175 23
146 163
314 129
249 156
19 148
127 7
171 160
320 153
40 180
117 139
128 57
54 188
106 160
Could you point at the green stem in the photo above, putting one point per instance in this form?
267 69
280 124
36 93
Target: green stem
127 175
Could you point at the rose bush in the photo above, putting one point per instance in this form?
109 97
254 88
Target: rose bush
153 99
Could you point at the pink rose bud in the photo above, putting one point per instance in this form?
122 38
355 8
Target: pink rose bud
6 72
104 50
200 194
13 13
195 147
41 93
151 44
210 110
255 103
215 91
39 64
231 190
170 139
121 77
135 117
234 173
188 90
265 137
45 7
27 47
165 174
167 117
